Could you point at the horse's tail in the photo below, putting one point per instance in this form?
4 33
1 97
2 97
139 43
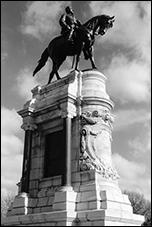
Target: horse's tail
42 61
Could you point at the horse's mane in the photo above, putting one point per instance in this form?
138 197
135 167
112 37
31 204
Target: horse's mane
90 24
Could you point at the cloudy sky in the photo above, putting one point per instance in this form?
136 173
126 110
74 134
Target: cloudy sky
122 55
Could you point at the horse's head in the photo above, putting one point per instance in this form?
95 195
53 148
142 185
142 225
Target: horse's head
104 26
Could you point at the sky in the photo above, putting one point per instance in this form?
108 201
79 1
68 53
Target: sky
122 55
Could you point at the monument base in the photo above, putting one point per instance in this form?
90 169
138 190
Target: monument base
93 197
96 202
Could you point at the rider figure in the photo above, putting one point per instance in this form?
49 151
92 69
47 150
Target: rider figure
68 22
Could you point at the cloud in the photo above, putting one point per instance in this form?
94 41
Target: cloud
126 118
41 18
129 42
11 121
132 27
132 175
128 80
141 144
11 148
4 56
7 141
25 82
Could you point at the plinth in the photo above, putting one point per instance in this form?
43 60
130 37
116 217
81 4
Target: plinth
68 175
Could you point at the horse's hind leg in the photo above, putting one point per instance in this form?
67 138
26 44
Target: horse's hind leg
54 71
51 76
58 64
77 62
78 56
57 75
91 57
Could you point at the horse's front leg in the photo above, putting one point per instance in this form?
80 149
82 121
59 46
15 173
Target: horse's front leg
78 56
91 57
77 62
93 62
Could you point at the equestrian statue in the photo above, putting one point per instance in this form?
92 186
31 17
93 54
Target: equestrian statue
75 38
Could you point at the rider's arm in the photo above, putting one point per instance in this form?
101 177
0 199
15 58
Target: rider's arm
62 21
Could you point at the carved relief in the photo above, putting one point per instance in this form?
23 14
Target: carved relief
96 143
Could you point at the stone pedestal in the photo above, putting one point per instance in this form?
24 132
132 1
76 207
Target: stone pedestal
68 176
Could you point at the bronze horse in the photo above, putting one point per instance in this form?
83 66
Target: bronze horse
84 38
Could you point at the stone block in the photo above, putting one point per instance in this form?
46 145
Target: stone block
19 211
56 181
86 223
76 186
30 210
62 196
45 183
60 215
34 193
49 224
37 210
50 192
64 206
74 166
84 176
82 206
118 197
46 209
21 200
126 199
126 208
90 196
32 202
98 223
42 202
82 215
107 195
32 184
50 201
125 217
75 154
94 205
34 174
42 192
110 205
109 223
25 219
96 215
88 187
78 197
35 163
9 220
137 219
